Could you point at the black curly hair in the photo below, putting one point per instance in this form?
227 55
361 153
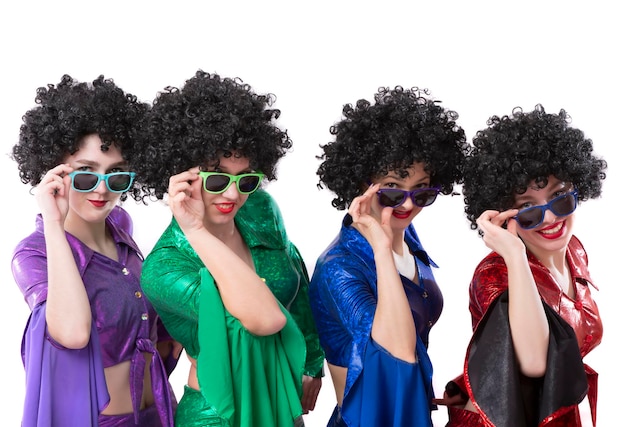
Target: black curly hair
207 118
66 114
402 127
513 151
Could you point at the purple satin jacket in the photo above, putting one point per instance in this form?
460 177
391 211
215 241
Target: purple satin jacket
67 387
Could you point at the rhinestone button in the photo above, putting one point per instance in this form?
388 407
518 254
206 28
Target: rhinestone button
144 316
125 271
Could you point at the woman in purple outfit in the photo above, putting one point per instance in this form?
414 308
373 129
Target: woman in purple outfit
91 348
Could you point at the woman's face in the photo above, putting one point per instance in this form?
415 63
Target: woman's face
403 214
554 232
94 206
221 208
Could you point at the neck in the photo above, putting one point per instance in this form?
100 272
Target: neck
397 243
553 260
224 232
92 234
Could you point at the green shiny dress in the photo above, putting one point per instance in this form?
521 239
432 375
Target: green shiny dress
245 380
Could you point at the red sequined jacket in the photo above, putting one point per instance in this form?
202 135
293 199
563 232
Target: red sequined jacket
488 286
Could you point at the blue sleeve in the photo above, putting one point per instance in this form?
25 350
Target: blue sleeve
402 391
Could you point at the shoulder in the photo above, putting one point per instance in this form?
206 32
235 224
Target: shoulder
35 240
348 255
490 271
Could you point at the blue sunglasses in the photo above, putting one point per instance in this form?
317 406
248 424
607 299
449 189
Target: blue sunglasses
394 197
116 182
560 206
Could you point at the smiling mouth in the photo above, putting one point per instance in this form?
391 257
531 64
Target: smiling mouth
553 230
225 207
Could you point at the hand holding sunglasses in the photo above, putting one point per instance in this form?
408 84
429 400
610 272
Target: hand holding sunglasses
560 206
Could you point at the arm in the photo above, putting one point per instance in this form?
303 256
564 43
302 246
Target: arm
243 292
393 327
302 314
68 313
47 363
528 322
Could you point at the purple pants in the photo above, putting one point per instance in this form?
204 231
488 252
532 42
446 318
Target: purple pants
148 417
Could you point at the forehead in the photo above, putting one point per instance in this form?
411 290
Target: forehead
415 171
90 150
231 162
537 189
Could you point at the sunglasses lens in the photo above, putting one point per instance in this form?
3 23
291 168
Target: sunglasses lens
216 183
390 197
564 205
529 218
425 198
248 183
84 181
119 182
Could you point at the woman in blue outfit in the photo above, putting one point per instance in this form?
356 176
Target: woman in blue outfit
373 293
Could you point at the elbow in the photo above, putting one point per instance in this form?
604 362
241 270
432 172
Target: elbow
73 339
534 368
267 324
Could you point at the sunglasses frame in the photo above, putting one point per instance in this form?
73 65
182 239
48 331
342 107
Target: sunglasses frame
548 206
101 178
411 194
232 178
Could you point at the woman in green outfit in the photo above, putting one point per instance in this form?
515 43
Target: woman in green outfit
226 280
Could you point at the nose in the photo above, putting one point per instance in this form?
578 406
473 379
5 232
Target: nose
101 187
549 216
231 192
408 204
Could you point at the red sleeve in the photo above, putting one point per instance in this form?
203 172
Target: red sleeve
489 281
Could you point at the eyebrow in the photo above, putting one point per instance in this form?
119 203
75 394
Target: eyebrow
244 170
398 180
561 185
85 162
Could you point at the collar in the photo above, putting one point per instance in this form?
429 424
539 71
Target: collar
118 223
259 221
358 244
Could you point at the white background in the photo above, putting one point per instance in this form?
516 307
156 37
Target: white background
480 58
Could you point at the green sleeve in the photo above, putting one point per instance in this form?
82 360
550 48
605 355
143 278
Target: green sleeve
301 312
171 281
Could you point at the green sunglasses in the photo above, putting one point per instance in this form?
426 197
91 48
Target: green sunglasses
218 182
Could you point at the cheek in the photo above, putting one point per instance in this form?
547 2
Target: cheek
571 220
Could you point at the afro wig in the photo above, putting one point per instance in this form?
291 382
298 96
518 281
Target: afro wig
516 150
401 127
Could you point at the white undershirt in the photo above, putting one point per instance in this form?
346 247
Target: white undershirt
405 263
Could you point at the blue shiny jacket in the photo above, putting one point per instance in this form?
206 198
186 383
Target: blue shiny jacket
343 294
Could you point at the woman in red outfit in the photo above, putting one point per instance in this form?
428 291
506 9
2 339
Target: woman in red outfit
533 313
